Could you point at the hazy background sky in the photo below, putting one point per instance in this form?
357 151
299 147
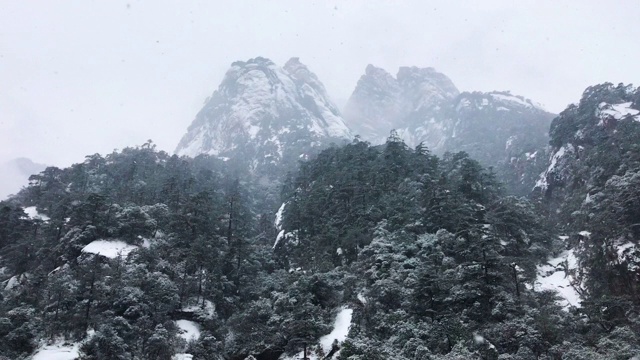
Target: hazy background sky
80 77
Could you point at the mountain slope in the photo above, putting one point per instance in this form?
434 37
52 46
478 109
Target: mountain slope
264 116
504 131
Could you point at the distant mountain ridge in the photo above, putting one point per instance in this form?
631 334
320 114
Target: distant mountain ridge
405 103
501 130
266 118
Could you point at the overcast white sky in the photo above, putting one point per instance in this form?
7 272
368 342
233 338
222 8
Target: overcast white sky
80 77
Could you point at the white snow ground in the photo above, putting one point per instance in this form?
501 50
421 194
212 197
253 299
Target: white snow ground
34 214
339 332
189 330
552 276
182 357
58 352
109 248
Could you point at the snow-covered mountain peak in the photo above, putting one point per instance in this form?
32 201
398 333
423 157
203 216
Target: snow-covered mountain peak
260 111
377 82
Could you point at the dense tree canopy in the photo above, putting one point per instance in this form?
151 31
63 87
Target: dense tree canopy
435 261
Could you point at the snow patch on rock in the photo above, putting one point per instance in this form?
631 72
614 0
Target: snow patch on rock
616 111
542 182
189 330
33 214
340 330
556 275
518 100
109 248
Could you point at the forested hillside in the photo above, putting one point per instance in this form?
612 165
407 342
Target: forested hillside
591 191
143 255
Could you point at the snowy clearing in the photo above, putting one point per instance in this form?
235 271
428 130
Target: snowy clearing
552 276
189 330
340 330
57 352
109 248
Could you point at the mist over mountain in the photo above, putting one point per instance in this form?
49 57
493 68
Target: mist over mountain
500 130
15 175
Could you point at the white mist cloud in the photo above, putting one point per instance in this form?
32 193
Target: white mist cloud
84 77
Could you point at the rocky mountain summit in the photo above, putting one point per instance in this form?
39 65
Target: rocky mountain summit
265 116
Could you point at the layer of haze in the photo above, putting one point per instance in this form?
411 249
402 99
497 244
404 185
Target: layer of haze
80 77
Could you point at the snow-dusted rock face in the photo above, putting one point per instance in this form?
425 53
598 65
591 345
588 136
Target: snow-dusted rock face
265 115
412 103
497 119
604 121
505 131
